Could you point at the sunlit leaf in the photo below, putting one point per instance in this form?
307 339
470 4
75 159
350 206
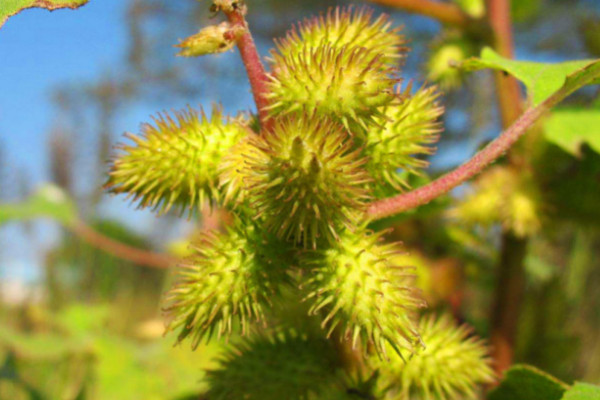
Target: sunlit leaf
541 79
569 128
582 391
523 382
77 348
8 8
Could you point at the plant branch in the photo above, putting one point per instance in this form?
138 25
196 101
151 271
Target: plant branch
510 98
446 13
254 66
118 249
510 270
440 186
507 299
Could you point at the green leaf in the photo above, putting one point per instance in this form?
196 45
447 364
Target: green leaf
582 391
11 7
523 382
48 201
541 79
571 127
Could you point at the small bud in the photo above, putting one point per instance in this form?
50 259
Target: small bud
210 40
443 59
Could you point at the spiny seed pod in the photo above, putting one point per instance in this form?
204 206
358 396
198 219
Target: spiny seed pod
423 271
450 366
210 40
228 280
307 179
346 83
502 195
346 26
363 294
174 162
286 365
235 172
475 8
444 56
406 131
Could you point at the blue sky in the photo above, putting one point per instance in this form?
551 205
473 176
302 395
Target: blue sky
39 50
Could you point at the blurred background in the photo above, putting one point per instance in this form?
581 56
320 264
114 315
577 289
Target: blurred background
82 272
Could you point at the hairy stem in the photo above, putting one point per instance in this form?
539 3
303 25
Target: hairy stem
446 13
118 249
440 186
445 183
254 66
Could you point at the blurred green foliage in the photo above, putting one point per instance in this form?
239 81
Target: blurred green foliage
523 382
49 201
572 127
75 354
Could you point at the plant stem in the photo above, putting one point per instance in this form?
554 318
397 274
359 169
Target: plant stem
118 249
445 183
507 88
254 66
446 13
510 271
507 299
440 186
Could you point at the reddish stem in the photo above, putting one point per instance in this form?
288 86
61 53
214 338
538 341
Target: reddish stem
510 285
508 90
445 183
491 152
254 66
446 13
118 249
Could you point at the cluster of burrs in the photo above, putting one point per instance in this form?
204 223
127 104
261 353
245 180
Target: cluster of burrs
340 132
